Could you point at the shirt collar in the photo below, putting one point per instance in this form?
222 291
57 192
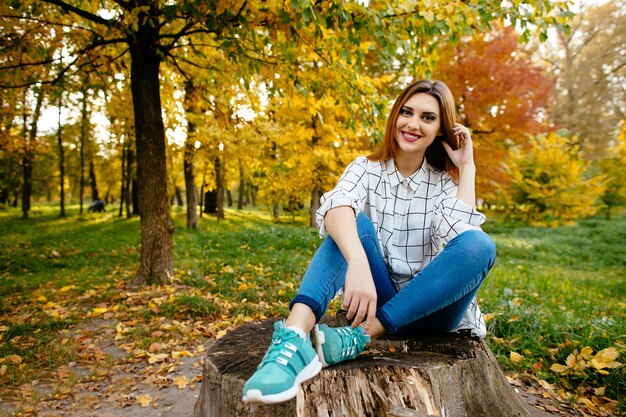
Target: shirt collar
414 180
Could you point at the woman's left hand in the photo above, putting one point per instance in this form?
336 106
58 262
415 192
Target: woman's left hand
464 155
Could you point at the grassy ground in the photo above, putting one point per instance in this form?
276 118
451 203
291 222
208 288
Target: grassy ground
555 302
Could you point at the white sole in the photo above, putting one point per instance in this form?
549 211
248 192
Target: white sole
320 339
308 372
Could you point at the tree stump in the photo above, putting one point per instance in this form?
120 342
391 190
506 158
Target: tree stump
450 375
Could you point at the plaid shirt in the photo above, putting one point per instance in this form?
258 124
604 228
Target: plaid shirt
415 217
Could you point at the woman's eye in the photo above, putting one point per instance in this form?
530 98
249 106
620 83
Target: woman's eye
429 118
405 112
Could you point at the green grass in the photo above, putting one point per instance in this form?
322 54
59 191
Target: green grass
552 292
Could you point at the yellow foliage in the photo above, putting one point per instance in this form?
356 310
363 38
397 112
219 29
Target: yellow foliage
548 182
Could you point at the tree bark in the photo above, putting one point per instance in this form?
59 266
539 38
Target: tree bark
242 185
61 161
83 139
448 375
123 186
156 224
190 183
92 182
315 205
219 187
30 136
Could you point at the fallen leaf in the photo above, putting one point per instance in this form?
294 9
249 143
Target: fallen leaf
516 357
144 400
180 354
181 381
98 311
15 359
557 367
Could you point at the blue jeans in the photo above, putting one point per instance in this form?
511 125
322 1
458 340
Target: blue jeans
435 300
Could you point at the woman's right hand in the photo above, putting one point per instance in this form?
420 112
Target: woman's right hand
359 297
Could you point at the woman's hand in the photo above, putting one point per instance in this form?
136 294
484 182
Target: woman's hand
465 154
359 297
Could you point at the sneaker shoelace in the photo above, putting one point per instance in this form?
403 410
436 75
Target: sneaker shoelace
352 342
281 350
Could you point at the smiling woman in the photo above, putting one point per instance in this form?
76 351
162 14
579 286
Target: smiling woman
388 221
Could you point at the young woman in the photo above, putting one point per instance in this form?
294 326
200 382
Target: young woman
405 247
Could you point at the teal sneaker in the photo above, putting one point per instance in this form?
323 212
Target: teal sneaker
337 344
289 361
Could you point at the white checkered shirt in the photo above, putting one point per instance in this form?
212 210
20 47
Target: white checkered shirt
415 217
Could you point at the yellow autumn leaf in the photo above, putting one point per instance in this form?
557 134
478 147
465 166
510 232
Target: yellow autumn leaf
586 351
98 311
3 370
42 298
607 355
144 400
557 367
67 288
242 286
599 390
516 357
181 381
14 359
181 353
160 357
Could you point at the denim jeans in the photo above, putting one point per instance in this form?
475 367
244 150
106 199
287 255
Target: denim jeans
435 300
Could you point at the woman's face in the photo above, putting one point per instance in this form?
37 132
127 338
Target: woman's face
418 123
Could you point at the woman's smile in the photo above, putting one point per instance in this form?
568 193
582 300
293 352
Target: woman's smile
410 137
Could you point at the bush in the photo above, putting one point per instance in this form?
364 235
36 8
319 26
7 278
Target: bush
549 183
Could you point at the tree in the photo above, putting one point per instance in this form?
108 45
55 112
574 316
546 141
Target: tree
501 95
260 34
613 169
549 184
590 62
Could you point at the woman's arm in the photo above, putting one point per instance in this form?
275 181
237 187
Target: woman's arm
359 289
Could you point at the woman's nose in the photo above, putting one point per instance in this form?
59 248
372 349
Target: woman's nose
413 123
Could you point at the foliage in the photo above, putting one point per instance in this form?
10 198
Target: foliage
502 96
548 182
590 62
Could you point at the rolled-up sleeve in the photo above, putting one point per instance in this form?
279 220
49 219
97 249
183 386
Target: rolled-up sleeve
350 191
453 216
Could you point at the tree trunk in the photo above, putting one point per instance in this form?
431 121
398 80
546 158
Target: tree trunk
61 161
156 224
448 375
242 185
30 136
219 187
123 187
315 205
83 139
190 183
92 182
178 196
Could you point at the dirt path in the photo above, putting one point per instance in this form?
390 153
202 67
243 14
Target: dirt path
112 382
